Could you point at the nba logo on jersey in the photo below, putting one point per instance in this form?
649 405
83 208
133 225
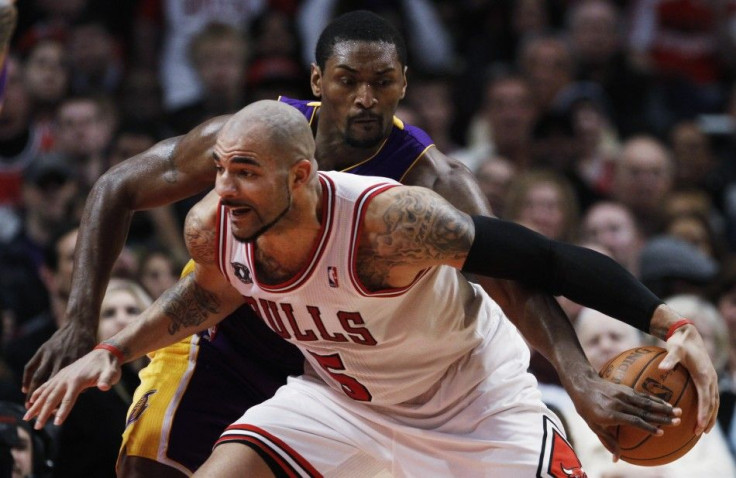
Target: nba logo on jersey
332 276
242 273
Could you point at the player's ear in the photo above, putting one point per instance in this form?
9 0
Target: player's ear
315 80
301 172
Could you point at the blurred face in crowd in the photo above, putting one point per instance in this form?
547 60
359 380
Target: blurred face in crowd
120 307
221 65
157 275
82 129
548 64
594 31
692 154
511 112
693 230
127 145
727 307
604 337
494 178
46 74
16 106
643 175
22 455
613 226
65 253
49 200
543 211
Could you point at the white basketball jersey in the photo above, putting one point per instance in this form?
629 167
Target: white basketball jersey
384 347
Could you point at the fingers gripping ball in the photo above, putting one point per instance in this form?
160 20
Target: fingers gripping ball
638 368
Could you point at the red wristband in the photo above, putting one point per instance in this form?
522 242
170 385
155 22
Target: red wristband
113 350
676 326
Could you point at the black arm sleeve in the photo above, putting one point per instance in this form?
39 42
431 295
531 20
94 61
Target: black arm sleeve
506 250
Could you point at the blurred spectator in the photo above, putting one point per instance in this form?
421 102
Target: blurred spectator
596 33
696 165
20 139
644 176
271 77
158 271
140 101
724 296
696 229
612 225
24 338
504 124
684 44
431 96
31 450
590 111
495 176
548 64
100 417
556 146
602 338
85 127
95 58
154 227
173 24
544 201
219 55
46 75
670 265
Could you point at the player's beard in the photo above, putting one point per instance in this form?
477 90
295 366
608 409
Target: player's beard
365 142
269 225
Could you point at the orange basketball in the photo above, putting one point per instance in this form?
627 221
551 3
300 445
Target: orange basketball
637 368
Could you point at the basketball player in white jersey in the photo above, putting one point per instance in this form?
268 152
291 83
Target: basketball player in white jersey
411 368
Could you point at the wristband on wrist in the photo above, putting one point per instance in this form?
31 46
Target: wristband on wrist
676 326
119 355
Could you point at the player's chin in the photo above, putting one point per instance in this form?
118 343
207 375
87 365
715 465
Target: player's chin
363 140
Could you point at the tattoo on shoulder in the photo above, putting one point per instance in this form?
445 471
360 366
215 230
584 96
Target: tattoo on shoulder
419 227
200 240
188 305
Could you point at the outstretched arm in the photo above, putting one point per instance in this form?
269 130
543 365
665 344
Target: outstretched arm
496 248
198 301
542 321
171 170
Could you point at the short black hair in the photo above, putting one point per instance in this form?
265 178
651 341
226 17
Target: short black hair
359 25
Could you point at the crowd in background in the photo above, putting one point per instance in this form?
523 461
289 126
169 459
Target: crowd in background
610 124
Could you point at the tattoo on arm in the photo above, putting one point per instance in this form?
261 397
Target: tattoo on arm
417 228
188 305
658 331
8 16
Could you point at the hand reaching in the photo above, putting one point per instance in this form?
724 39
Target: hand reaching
57 396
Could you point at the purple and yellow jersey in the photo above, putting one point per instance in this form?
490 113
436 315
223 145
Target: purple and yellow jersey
404 146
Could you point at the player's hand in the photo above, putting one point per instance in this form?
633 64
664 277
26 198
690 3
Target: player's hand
64 347
686 347
98 368
603 405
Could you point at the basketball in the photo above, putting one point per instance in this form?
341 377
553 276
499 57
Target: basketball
637 368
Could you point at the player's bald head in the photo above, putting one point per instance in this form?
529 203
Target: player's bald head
277 126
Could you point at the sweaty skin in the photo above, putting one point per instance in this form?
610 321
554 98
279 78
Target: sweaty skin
354 81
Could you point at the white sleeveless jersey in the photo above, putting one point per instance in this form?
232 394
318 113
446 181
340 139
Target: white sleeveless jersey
384 347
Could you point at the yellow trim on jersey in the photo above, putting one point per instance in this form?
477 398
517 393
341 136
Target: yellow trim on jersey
420 156
188 268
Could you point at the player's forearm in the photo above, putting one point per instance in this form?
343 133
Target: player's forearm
183 310
542 322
